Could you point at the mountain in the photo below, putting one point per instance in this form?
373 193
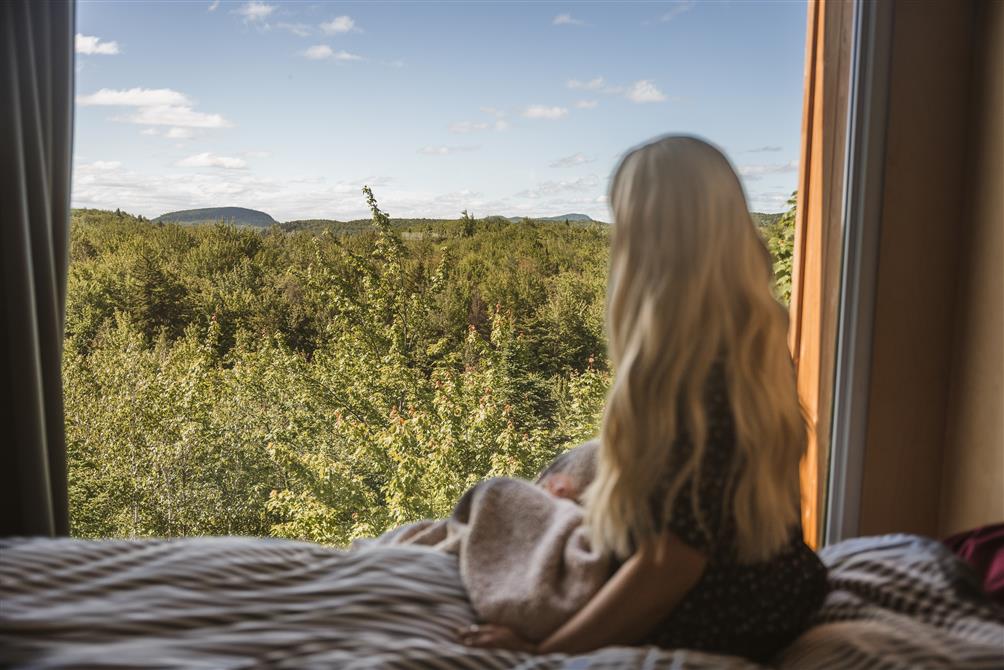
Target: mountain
563 217
239 216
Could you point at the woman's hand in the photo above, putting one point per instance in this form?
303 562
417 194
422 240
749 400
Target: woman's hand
491 636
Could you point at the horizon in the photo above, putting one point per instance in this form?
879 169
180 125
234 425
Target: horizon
544 217
289 108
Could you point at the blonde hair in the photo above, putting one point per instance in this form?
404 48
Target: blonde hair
689 287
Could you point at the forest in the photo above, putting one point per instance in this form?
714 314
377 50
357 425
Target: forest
326 383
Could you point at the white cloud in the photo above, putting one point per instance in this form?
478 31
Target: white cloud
338 25
355 186
769 201
180 133
493 111
755 172
550 188
398 63
134 97
163 191
678 7
324 52
645 91
445 150
594 84
213 5
764 149
600 85
464 127
89 45
318 52
567 20
572 161
585 104
180 116
255 11
309 196
544 112
157 107
298 29
207 159
105 165
150 131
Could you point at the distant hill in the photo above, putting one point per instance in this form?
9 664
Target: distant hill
563 217
762 220
241 216
238 216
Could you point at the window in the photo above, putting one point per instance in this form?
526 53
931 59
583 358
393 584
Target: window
255 347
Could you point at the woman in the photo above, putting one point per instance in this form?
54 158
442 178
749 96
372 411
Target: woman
697 492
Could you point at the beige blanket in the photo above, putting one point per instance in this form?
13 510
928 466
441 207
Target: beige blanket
524 555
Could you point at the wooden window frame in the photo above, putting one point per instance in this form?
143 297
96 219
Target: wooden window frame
819 231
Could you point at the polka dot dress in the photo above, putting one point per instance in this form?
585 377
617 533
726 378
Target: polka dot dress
749 610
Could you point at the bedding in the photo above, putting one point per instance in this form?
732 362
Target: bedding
983 550
895 602
900 601
524 555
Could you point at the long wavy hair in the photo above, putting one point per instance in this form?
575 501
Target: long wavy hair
690 286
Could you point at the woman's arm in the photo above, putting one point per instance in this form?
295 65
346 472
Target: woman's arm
639 595
642 592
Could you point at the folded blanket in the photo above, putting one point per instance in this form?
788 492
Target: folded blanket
524 555
425 533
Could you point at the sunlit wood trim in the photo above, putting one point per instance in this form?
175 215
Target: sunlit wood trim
816 266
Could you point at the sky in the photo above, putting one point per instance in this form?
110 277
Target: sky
498 108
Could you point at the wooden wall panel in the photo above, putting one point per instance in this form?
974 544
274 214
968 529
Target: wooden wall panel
922 221
972 492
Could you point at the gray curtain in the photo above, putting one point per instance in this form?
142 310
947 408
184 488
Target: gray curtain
36 124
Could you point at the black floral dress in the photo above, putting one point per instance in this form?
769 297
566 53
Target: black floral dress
749 610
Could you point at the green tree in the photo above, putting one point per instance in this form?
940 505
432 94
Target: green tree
780 238
322 383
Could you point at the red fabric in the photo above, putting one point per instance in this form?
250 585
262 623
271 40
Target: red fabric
983 549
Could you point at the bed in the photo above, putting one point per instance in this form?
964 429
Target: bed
895 602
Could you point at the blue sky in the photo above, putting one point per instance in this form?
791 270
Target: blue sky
511 108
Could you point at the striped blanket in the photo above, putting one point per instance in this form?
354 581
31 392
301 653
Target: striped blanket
896 601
